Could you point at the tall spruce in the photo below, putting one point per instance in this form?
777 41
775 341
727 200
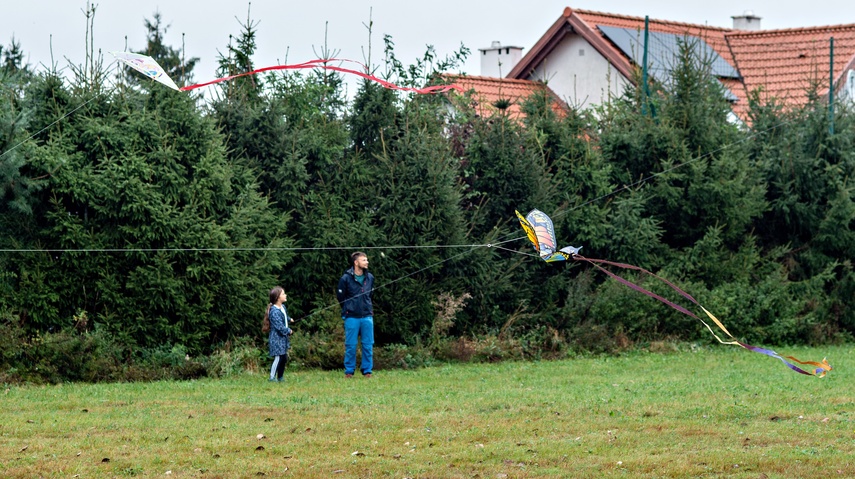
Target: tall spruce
689 157
16 187
144 174
179 68
812 214
500 173
238 60
416 202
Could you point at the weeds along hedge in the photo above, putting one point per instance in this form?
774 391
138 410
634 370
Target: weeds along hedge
90 356
95 356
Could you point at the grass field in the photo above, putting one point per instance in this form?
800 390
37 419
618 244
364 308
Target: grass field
717 412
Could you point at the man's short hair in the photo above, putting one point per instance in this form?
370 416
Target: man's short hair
355 256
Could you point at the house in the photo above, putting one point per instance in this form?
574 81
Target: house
492 95
586 57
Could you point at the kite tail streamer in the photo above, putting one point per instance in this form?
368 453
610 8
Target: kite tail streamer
819 368
320 63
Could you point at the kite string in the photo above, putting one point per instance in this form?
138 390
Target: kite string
384 285
472 247
47 127
237 249
654 175
513 250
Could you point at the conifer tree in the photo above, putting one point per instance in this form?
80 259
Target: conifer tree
688 157
145 176
12 58
812 205
171 59
15 188
237 60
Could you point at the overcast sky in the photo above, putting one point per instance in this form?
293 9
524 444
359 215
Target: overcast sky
293 31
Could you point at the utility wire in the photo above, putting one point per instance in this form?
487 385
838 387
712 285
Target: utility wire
235 249
458 255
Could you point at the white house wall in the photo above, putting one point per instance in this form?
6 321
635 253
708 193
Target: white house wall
578 74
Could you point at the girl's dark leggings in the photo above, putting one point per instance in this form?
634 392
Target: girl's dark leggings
278 367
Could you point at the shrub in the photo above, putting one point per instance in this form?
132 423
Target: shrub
401 356
237 356
321 347
90 356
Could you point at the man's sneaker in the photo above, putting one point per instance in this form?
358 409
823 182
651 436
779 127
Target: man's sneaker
366 375
348 375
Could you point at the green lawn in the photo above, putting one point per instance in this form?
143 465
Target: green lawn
718 412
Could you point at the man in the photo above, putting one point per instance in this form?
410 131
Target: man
354 293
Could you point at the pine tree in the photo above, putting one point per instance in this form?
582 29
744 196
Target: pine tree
172 60
12 59
238 60
688 157
812 213
146 172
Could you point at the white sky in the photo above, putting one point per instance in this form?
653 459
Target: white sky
294 30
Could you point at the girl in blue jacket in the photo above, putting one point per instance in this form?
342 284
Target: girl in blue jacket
279 340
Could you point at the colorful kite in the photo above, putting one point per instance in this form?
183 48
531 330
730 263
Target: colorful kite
150 68
538 226
147 66
541 233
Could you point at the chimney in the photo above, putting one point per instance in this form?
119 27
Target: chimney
746 21
498 60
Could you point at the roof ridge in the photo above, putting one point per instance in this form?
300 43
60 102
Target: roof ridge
664 22
492 79
780 31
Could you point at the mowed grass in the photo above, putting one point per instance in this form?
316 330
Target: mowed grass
718 412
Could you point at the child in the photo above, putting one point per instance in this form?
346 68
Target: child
279 340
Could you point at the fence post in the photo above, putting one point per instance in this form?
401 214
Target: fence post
831 88
645 91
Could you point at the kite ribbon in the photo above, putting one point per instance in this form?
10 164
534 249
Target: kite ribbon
819 369
319 63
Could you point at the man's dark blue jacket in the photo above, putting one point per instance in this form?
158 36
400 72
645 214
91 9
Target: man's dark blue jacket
355 298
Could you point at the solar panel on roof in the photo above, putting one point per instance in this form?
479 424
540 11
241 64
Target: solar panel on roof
729 95
663 50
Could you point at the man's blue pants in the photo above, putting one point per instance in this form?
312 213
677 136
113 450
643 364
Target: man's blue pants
363 328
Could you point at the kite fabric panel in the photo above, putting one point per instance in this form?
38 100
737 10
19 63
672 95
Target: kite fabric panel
147 66
540 231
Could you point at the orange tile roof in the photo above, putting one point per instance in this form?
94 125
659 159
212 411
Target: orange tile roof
781 62
784 63
486 91
715 37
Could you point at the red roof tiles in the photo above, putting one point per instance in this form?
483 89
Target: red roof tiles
488 92
782 63
785 63
714 36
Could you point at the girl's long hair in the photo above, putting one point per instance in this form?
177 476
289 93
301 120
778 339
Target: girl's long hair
274 295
